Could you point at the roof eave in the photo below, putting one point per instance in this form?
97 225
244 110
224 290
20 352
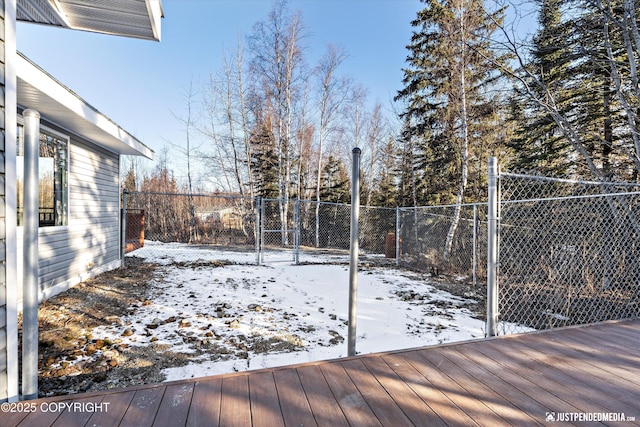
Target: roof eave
113 19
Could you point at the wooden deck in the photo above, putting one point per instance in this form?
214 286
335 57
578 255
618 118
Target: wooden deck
590 371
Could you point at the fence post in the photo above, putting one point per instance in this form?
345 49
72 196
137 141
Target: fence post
296 232
258 228
261 231
123 231
475 245
492 250
397 235
353 261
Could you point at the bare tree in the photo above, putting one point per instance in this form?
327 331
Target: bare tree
277 65
187 150
333 93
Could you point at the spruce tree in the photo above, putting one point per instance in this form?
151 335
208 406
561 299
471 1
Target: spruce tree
538 144
450 104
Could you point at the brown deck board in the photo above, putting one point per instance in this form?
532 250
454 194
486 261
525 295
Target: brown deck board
409 402
556 379
584 361
375 395
521 407
235 407
265 406
205 403
520 389
513 380
38 418
293 401
326 410
174 407
501 412
114 411
76 417
12 418
449 384
438 401
143 407
603 386
540 366
591 353
353 405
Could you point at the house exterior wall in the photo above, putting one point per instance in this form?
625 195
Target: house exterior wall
3 223
90 243
8 313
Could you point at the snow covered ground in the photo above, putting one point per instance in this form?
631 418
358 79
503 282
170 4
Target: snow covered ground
239 317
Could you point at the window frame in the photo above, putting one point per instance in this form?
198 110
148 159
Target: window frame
44 129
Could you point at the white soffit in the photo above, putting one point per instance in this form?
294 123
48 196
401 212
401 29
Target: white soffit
55 102
129 18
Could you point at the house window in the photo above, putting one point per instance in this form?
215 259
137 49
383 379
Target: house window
53 169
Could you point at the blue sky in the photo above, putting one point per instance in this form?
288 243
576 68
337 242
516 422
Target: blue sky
141 84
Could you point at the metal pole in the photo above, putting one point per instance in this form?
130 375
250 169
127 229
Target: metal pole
492 250
124 226
261 231
296 232
398 235
31 218
258 229
475 244
353 261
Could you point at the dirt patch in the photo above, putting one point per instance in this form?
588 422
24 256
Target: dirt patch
72 359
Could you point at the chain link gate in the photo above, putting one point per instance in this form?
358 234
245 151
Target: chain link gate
568 252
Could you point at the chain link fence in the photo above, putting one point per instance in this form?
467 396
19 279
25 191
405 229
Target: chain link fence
568 252
190 228
431 240
200 227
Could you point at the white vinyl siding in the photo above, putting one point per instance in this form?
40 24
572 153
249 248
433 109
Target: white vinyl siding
91 241
3 222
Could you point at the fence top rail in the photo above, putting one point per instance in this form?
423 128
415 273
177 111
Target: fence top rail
159 193
470 205
567 180
586 196
330 203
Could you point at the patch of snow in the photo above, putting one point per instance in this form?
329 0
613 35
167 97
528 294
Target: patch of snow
279 313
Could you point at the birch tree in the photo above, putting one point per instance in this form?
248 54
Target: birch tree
277 65
333 91
447 89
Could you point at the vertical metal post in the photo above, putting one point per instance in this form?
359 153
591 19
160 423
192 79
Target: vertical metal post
398 235
492 250
475 244
31 219
261 252
123 231
296 232
258 229
353 260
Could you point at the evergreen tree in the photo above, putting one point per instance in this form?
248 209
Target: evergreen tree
450 106
386 193
335 182
537 143
448 90
264 161
576 103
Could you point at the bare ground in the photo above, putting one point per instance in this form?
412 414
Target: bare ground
72 360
